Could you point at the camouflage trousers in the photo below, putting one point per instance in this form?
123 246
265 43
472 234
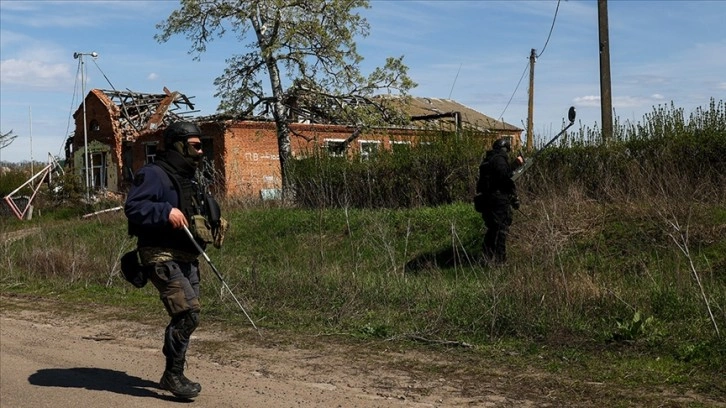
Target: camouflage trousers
178 286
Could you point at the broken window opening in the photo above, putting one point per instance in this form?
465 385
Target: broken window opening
150 152
335 147
99 176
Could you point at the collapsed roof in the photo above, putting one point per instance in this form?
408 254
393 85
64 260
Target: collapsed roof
140 113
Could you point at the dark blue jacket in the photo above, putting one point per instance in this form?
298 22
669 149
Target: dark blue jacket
148 204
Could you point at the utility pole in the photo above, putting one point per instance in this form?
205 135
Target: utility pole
530 106
606 99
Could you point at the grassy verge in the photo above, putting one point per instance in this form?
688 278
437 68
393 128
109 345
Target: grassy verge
630 295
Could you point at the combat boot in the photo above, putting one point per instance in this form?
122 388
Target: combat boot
178 385
178 367
194 385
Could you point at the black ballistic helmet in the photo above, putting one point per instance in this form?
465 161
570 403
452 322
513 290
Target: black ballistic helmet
180 132
503 143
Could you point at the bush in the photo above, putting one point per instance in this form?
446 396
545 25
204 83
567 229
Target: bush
12 178
444 170
438 171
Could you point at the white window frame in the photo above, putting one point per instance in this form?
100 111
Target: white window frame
150 157
365 154
99 178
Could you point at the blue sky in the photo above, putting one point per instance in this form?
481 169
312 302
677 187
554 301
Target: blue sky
474 52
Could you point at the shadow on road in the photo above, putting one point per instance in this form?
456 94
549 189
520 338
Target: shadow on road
99 379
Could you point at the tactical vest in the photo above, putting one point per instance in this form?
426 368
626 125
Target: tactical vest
199 207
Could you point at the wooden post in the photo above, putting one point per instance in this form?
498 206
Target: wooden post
530 106
606 100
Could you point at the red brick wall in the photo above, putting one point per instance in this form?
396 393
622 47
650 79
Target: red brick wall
251 157
96 110
252 160
101 118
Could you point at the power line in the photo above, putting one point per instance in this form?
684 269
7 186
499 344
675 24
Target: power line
70 113
82 97
455 78
526 68
551 28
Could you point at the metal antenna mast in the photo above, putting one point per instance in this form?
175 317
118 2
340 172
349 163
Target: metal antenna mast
79 57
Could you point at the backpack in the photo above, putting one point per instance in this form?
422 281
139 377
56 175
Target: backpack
482 187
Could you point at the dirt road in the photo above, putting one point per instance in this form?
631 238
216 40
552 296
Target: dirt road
90 358
81 361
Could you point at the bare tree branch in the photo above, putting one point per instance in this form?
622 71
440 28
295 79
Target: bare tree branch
312 41
7 138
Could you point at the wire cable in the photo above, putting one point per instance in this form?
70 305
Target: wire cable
104 74
73 99
551 29
455 78
70 113
554 19
526 68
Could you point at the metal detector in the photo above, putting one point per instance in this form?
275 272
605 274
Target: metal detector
219 275
528 163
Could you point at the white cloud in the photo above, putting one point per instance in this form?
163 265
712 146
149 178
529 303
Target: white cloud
9 38
34 73
630 102
589 101
153 76
621 102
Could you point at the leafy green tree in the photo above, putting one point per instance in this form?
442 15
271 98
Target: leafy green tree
305 50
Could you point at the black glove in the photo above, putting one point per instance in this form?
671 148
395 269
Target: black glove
515 202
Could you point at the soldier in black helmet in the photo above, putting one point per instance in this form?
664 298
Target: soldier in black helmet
165 197
496 196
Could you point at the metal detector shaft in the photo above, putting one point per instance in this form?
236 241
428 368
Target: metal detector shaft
527 164
219 275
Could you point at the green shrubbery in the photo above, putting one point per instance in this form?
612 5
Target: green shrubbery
60 194
668 151
13 177
444 170
437 171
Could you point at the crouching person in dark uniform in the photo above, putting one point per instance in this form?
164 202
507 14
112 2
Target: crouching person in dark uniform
165 197
496 196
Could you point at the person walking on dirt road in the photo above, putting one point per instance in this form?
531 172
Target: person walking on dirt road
164 198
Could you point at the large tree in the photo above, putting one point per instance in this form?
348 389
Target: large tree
305 49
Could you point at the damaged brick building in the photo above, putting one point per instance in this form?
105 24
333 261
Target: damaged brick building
123 130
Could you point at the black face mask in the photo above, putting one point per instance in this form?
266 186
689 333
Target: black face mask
189 153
